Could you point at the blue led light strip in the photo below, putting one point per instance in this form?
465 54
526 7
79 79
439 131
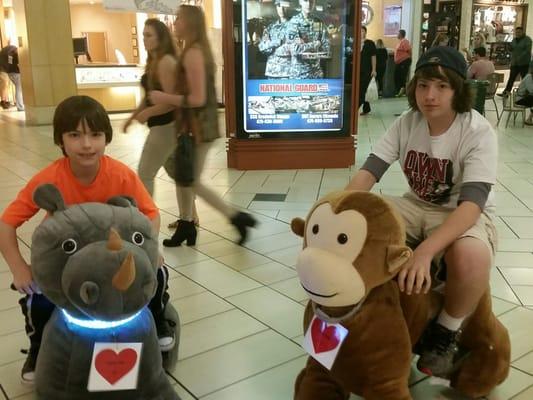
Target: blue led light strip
97 324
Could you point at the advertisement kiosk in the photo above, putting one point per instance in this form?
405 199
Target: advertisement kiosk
290 97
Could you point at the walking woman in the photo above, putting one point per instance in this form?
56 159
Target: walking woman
196 104
160 74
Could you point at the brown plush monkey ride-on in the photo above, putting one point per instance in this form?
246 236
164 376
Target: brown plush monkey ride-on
354 245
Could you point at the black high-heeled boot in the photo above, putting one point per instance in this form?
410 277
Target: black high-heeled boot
184 231
243 221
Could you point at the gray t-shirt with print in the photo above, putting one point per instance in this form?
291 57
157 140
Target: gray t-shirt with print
458 165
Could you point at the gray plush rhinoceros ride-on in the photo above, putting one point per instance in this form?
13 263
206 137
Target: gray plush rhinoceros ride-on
97 263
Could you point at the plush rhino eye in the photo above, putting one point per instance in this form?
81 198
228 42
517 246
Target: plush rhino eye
137 238
69 246
315 229
342 238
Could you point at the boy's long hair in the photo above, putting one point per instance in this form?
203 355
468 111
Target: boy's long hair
462 94
167 45
197 31
71 111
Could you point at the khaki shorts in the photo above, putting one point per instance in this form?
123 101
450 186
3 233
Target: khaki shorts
422 219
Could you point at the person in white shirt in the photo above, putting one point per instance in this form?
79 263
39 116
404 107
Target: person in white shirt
524 94
448 153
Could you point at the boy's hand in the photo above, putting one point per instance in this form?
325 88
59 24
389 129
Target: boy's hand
417 275
23 281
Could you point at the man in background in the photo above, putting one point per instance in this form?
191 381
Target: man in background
402 62
520 58
9 57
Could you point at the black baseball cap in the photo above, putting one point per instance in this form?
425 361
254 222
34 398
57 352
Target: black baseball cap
444 56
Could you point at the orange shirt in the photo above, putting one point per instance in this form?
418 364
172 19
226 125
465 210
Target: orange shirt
402 52
113 179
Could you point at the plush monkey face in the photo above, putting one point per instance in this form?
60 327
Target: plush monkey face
353 241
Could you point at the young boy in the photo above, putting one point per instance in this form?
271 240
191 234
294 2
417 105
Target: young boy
82 130
448 153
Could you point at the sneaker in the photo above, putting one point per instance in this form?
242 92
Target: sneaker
440 351
27 374
165 333
503 94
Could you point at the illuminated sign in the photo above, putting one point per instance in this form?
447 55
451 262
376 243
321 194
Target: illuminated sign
293 65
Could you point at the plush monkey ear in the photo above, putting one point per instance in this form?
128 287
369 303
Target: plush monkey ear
398 257
298 226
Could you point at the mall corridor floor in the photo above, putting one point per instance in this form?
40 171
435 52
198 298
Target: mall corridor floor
241 307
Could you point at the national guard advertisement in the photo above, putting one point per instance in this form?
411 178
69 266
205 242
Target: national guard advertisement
293 57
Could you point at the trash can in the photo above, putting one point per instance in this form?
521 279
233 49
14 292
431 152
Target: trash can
479 92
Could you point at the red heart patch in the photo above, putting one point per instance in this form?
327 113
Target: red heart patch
113 366
324 339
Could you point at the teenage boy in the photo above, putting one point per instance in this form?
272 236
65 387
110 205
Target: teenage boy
448 153
82 130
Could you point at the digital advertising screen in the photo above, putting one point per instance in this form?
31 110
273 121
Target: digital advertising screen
293 65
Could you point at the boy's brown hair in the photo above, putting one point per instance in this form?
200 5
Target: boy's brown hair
74 109
462 96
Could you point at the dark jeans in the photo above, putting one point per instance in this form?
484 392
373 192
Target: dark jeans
366 78
516 70
37 309
380 75
400 74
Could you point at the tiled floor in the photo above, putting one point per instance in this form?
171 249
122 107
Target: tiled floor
241 307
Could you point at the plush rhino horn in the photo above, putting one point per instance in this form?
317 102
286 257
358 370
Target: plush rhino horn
48 197
125 276
114 242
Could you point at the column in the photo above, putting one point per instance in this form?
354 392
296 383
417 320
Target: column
415 19
466 24
46 56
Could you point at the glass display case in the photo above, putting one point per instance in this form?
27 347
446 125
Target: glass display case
117 87
97 76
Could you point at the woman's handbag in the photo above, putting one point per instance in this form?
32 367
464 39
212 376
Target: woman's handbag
184 160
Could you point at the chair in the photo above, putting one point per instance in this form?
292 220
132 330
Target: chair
494 81
512 108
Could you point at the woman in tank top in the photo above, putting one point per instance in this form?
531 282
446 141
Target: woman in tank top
160 74
196 96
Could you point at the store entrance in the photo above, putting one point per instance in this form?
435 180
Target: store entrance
441 20
496 21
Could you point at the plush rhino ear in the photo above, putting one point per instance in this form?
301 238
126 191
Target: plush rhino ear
122 201
48 197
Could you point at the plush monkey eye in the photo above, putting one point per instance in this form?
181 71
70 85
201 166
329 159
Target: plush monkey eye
137 238
69 246
315 229
342 238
